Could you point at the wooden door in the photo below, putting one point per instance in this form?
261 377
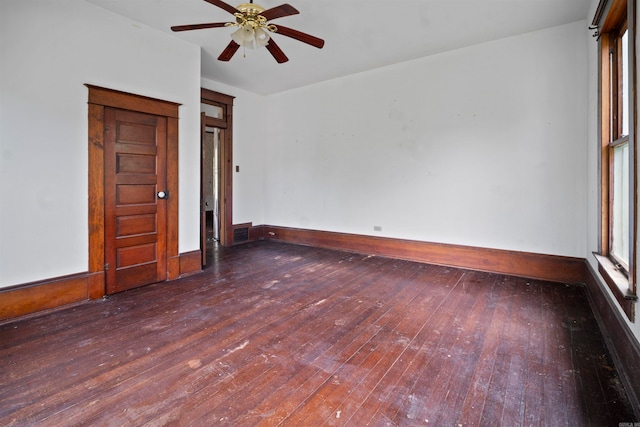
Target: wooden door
135 199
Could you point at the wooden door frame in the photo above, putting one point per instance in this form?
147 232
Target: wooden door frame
225 124
98 99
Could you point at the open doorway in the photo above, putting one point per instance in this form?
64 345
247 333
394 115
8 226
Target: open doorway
211 185
215 172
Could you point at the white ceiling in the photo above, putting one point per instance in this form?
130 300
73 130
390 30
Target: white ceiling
359 35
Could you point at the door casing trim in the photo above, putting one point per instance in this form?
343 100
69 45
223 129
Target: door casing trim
98 99
225 124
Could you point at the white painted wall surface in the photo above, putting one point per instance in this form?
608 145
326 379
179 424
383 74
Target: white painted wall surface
483 146
249 121
48 51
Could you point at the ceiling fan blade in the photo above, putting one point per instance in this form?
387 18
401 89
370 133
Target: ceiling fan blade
223 5
229 51
299 35
277 53
198 26
279 11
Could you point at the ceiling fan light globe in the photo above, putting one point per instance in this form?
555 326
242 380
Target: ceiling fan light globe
248 34
262 37
237 37
243 35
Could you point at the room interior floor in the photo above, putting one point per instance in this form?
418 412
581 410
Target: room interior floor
279 334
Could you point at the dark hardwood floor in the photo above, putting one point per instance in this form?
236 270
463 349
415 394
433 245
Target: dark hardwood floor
277 334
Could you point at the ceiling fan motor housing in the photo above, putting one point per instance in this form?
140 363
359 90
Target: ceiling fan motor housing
250 9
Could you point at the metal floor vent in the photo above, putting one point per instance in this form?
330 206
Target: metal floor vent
240 234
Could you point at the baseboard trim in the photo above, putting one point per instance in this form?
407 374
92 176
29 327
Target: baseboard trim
623 346
257 232
48 294
20 300
524 264
190 263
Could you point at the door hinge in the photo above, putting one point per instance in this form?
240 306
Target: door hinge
106 267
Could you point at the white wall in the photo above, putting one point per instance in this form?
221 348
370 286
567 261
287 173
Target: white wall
483 146
249 121
48 51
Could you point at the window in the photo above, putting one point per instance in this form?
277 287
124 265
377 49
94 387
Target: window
618 147
617 140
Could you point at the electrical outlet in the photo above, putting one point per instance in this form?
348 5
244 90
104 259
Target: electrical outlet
377 228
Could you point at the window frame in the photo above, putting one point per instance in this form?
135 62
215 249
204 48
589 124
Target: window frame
612 19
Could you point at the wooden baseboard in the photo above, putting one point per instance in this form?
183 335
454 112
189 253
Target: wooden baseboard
32 297
29 298
56 292
190 263
258 232
524 264
621 342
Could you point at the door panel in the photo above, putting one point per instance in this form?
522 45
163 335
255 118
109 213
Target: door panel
135 219
135 224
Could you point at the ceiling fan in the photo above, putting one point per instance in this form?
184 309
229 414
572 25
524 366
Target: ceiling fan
254 28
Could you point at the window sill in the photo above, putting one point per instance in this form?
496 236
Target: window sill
618 283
